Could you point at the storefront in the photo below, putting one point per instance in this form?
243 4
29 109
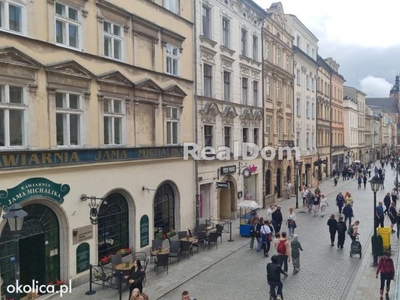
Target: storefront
132 193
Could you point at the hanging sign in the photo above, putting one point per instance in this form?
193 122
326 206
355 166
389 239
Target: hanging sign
222 185
144 231
31 187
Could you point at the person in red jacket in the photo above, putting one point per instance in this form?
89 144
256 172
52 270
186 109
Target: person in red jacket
386 268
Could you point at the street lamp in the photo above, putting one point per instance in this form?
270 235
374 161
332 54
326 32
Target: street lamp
296 167
375 185
15 218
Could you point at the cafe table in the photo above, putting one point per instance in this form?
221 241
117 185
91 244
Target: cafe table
190 239
124 267
156 252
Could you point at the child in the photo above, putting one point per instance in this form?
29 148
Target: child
296 246
324 204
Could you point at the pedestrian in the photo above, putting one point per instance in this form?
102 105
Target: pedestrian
335 180
379 215
353 230
296 247
253 230
265 237
348 213
274 272
324 204
288 189
341 230
386 268
332 223
392 215
186 296
135 294
394 196
387 200
146 297
304 194
316 203
258 234
340 202
270 211
349 199
291 222
359 181
310 200
135 277
277 219
398 224
283 249
365 181
275 242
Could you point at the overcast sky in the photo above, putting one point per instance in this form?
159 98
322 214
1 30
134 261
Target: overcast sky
362 36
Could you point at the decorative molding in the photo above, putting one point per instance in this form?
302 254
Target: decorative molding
100 19
71 68
255 75
127 27
208 54
33 88
13 56
226 49
246 117
245 58
148 85
175 90
228 115
84 12
100 97
245 71
51 91
205 39
209 113
226 61
86 95
115 77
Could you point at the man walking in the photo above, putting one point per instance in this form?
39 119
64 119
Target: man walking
277 219
341 230
379 215
274 272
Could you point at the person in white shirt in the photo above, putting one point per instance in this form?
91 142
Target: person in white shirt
288 189
291 222
270 211
265 232
305 193
324 204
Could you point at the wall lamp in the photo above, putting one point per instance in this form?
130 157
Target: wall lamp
145 188
94 204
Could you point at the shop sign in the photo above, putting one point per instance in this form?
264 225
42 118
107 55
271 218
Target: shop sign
82 234
82 258
228 170
253 168
144 231
32 187
35 159
222 185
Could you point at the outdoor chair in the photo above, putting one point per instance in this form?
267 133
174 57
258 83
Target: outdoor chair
186 248
201 240
162 261
182 234
175 250
155 245
116 259
213 239
219 230
201 227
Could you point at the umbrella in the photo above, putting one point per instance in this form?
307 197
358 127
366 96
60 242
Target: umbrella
249 204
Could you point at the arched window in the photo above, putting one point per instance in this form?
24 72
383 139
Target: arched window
113 225
268 182
164 208
288 174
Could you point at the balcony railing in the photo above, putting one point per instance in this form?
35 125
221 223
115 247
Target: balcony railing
286 143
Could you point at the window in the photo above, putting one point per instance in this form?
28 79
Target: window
12 116
113 121
172 5
312 140
268 129
68 119
278 91
112 40
287 95
312 84
207 81
243 42
227 86
255 47
67 26
267 51
297 139
298 78
227 136
279 129
312 110
225 32
298 41
308 49
308 109
11 16
255 93
298 107
172 56
172 126
287 63
308 82
208 136
269 87
206 22
289 129
313 53
256 136
278 57
308 140
244 90
245 134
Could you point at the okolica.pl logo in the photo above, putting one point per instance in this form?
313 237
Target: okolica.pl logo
41 289
249 151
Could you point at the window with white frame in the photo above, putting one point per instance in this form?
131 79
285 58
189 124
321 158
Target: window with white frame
243 42
313 53
287 63
172 5
298 77
172 59
13 112
289 129
298 107
207 73
68 26
206 21
267 51
256 136
268 129
308 140
227 86
68 119
114 113
287 95
268 87
245 135
255 93
308 49
308 109
208 135
312 140
278 57
227 136
313 110
11 16
298 41
312 84
112 40
172 125
278 91
245 82
225 32
255 47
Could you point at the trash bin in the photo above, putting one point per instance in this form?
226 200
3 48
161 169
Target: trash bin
385 232
377 245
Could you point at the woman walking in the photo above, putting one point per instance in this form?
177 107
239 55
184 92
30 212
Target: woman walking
324 204
332 223
296 247
291 222
386 268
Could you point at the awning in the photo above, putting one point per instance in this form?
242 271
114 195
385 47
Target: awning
249 204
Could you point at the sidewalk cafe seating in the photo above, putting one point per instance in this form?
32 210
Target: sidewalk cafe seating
201 227
155 245
213 239
219 229
186 248
175 250
182 234
201 240
162 261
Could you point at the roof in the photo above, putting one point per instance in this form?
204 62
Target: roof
389 105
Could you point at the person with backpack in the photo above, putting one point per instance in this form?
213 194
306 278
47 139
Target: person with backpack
253 229
386 268
266 236
332 223
274 272
283 249
341 230
359 180
296 247
348 213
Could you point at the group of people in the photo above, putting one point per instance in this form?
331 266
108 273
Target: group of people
314 201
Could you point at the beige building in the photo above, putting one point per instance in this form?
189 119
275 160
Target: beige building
278 100
96 98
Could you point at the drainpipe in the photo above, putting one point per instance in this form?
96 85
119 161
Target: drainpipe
263 107
196 139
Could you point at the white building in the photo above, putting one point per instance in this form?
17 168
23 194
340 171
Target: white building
229 103
305 47
350 106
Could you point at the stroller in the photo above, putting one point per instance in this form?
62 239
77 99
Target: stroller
356 248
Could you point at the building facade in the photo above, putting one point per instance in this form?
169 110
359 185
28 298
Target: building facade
95 100
305 108
278 100
369 134
229 104
351 128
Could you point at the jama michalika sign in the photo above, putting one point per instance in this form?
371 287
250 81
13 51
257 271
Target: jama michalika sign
34 159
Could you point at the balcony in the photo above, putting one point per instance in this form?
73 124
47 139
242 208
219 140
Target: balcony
286 143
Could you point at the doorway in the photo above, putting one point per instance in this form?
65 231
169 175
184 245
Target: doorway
278 182
227 202
32 259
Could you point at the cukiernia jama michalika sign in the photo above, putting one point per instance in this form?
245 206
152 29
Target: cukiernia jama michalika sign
35 159
37 186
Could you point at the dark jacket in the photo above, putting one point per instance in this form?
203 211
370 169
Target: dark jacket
277 216
387 200
138 276
348 211
332 223
339 200
258 228
341 228
274 272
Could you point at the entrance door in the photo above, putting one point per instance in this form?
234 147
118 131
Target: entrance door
225 203
32 259
278 182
